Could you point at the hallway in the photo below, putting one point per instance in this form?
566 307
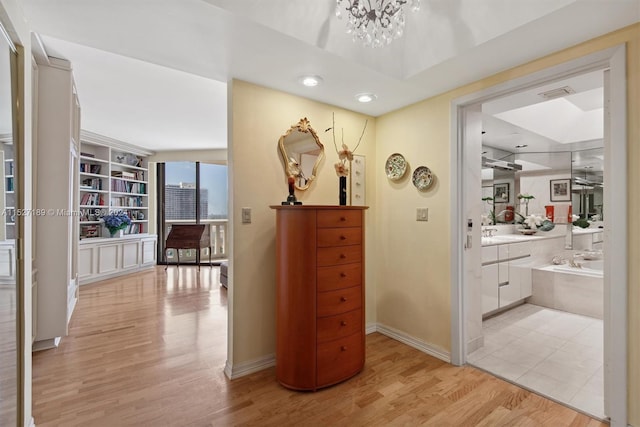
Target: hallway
150 348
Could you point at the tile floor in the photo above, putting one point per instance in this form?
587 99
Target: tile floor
556 354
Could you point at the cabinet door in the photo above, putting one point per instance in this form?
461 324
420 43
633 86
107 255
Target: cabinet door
489 288
509 290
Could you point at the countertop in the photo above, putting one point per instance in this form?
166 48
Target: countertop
502 239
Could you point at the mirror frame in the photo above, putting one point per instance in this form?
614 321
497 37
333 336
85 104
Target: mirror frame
305 127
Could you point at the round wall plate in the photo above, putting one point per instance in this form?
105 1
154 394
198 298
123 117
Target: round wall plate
422 178
396 166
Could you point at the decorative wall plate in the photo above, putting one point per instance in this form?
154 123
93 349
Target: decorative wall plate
422 177
396 166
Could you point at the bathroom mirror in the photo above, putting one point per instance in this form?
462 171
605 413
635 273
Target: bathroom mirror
587 185
301 152
505 175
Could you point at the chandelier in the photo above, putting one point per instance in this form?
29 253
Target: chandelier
375 22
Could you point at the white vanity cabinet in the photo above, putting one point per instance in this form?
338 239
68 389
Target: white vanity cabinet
506 275
490 279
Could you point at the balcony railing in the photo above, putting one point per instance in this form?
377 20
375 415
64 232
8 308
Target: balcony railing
218 238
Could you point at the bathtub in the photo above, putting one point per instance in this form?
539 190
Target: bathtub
592 268
570 289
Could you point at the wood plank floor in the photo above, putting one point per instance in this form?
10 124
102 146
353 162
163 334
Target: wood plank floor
149 350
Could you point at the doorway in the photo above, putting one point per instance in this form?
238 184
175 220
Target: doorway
466 318
191 192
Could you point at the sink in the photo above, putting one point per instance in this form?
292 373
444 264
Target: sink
505 238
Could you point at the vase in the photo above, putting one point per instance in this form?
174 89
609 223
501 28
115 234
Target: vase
342 190
116 233
549 212
509 214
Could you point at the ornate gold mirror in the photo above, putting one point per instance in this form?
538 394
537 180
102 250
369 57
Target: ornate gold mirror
301 152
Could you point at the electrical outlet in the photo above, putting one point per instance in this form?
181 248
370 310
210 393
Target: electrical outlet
422 214
246 215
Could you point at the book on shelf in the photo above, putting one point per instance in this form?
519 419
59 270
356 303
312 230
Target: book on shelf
126 201
92 199
128 187
124 174
91 183
87 154
89 231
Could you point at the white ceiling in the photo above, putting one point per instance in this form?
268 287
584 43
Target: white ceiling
153 73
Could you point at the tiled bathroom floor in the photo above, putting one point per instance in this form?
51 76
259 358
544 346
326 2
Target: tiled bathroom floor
557 354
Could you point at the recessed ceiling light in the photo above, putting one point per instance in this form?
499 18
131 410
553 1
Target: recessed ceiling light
310 80
521 146
366 97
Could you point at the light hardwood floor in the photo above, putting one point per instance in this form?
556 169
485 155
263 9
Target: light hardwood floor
149 350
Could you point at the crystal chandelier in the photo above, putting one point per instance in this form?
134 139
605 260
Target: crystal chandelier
375 22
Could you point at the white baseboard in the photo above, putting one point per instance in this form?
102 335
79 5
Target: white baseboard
46 344
241 369
32 423
371 328
414 342
475 344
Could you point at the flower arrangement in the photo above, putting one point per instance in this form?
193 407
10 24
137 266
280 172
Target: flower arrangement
489 219
345 156
116 221
527 198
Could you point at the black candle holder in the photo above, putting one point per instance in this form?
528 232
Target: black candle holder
291 199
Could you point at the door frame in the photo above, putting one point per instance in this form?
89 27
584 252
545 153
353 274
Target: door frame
613 59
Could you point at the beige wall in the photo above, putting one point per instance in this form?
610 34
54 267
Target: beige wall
259 116
218 156
414 264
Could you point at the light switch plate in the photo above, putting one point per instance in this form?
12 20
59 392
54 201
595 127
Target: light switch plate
422 214
246 215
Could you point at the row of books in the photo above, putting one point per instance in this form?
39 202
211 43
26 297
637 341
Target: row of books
128 187
92 199
130 201
91 183
90 168
137 175
134 228
93 230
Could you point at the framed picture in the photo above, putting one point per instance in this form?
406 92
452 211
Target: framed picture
560 190
501 193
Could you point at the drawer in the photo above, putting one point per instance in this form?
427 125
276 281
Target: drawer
489 254
519 249
339 236
340 301
339 218
339 276
340 359
339 255
339 326
503 252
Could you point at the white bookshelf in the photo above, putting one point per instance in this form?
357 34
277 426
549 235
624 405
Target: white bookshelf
113 177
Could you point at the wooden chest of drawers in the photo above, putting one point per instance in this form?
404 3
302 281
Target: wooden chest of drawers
320 295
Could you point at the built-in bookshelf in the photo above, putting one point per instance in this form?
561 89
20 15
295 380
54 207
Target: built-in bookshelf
9 191
113 178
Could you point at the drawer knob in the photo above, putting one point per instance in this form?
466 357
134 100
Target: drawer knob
342 274
343 299
343 238
342 256
343 323
343 348
343 218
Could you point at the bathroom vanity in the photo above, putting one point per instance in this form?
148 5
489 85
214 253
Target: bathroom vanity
507 263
